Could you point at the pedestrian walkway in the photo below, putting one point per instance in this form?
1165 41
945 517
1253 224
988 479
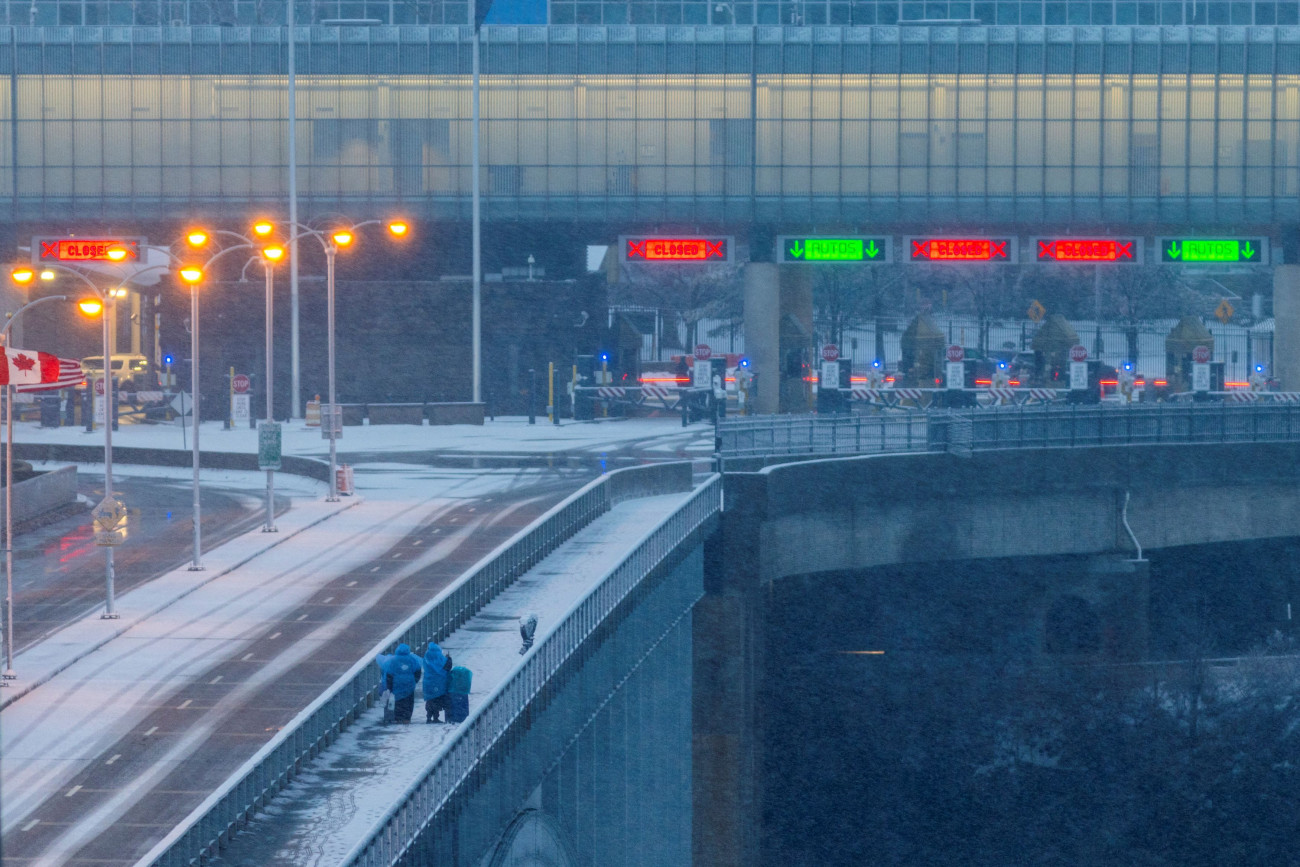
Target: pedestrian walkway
347 790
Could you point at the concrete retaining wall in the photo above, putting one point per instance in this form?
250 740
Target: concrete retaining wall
43 493
88 454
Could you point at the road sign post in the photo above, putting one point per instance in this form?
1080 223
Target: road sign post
1078 367
955 368
268 445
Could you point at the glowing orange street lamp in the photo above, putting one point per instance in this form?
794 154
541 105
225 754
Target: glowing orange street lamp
22 276
398 228
196 238
263 228
117 254
91 306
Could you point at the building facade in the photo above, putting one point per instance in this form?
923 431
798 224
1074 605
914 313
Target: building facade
767 124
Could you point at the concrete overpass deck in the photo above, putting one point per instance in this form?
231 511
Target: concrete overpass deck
337 801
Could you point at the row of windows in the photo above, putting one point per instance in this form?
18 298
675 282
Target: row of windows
652 58
866 12
697 12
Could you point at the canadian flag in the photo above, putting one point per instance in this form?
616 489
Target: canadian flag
25 367
70 376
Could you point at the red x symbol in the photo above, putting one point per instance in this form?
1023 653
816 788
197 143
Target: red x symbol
919 250
634 249
1045 250
997 249
713 248
49 249
1124 251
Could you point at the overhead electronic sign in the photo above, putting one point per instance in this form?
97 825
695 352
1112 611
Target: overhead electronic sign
1213 251
94 249
802 248
1121 251
928 249
660 248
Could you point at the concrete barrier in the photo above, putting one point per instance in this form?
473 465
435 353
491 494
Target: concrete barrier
454 413
309 467
44 492
396 413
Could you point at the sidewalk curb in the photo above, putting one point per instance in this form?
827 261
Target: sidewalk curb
8 697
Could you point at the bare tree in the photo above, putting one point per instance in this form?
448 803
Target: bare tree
692 292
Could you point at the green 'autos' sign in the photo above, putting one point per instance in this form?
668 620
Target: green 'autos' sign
268 445
800 248
1213 251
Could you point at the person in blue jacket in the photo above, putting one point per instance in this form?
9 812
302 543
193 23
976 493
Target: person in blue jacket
436 667
401 673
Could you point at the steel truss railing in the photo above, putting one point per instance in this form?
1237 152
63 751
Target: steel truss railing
452 768
1011 427
210 825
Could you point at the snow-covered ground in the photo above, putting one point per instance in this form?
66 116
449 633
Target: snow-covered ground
508 435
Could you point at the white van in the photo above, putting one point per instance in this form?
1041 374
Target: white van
126 367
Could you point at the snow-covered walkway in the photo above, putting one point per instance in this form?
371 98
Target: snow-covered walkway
347 790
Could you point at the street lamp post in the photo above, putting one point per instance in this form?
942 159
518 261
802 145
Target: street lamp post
192 276
9 673
270 255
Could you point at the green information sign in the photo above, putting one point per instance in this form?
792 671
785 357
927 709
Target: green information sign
1214 251
268 445
800 248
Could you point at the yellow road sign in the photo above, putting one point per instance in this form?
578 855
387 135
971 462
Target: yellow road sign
1224 311
108 515
1036 311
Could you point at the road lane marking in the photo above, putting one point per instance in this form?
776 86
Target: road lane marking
151 731
246 657
216 679
419 541
185 704
328 600
72 791
353 583
32 824
116 756
302 617
274 636
376 569
397 556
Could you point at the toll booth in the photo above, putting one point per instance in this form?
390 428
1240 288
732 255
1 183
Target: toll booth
833 386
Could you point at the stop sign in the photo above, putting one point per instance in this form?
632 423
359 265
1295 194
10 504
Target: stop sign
955 353
1201 354
1078 352
99 386
703 351
240 383
830 352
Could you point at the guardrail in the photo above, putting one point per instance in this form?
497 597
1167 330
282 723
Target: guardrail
274 766
451 768
1068 427
1012 427
787 435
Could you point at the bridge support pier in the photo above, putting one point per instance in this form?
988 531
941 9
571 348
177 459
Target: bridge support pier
778 335
1286 316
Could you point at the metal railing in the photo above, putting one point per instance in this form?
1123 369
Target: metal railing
1079 426
274 766
451 768
1021 427
822 435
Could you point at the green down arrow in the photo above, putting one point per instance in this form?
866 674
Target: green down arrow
1173 250
796 250
872 249
1248 252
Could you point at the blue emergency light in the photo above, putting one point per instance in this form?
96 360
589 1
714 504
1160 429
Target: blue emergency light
744 362
167 359
1259 368
1128 365
876 363
604 356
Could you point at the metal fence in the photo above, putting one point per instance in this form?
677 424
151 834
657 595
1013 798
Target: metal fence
1068 427
451 769
775 436
273 767
1039 426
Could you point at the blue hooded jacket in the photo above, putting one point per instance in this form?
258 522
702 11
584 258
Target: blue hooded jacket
435 675
401 671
